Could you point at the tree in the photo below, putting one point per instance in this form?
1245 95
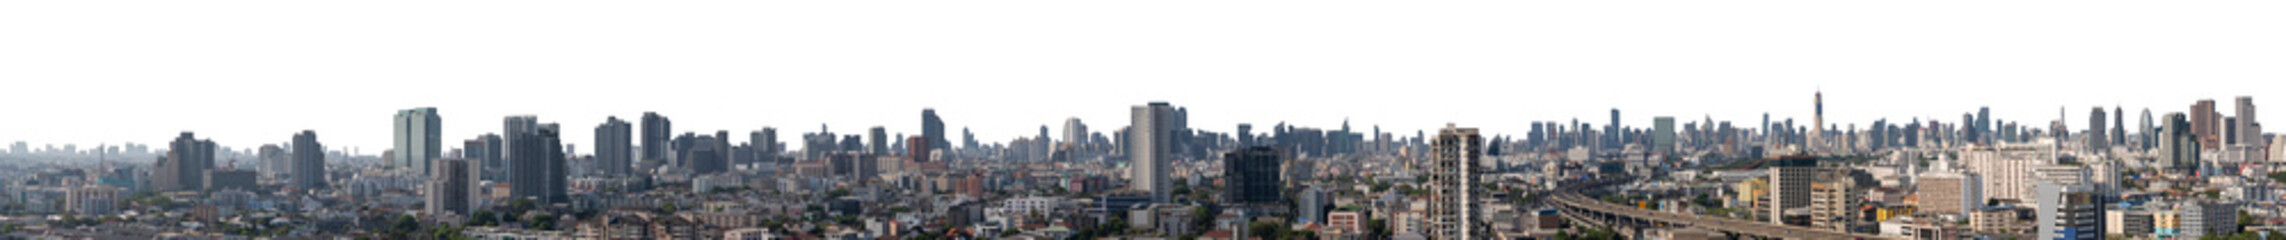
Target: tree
483 218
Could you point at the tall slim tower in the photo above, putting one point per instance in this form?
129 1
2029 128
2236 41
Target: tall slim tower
308 162
879 145
2206 124
657 131
934 129
613 143
2095 137
1152 133
2249 131
1452 171
418 139
1817 124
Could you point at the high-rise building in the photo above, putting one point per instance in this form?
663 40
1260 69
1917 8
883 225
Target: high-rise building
452 190
2118 126
2145 131
766 141
657 130
2068 211
494 165
1663 135
1818 125
308 161
2096 139
706 158
2249 131
2206 124
1075 133
1947 191
917 149
879 144
276 161
2178 145
1833 202
1453 176
1151 134
537 165
613 145
1790 178
419 139
185 166
1251 175
934 129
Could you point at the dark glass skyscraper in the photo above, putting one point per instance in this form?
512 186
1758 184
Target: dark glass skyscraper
184 167
656 132
537 165
933 128
1252 175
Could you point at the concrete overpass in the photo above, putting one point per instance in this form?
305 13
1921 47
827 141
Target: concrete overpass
1580 208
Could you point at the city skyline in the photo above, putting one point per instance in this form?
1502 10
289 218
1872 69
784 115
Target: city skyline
1004 76
2075 119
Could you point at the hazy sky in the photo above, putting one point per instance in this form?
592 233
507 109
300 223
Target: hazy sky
251 72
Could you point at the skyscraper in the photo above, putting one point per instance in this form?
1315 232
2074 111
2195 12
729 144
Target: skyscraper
308 161
1152 135
419 139
1075 132
766 144
452 190
1452 171
917 149
613 143
2206 124
1817 124
2178 147
184 167
2144 131
2118 126
2096 139
1663 134
512 128
657 130
879 138
1252 175
934 129
537 168
705 157
2249 131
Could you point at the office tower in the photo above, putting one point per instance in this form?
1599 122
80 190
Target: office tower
1151 134
1452 183
495 163
276 162
308 161
934 129
2068 211
705 157
1663 135
2096 141
614 141
917 149
419 139
185 166
657 130
2144 131
452 189
2249 131
1817 125
2118 126
880 141
1075 133
968 139
1611 132
1790 178
1251 175
766 144
2178 146
2206 124
537 169
1983 125
511 128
